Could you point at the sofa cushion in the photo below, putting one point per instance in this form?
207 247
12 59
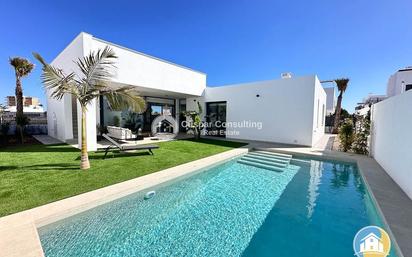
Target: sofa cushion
120 133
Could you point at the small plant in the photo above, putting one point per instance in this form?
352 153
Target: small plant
360 144
346 135
116 121
196 124
133 121
101 130
4 128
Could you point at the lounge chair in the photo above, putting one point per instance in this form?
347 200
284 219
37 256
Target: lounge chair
122 148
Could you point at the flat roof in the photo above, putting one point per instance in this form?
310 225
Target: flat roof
406 69
146 55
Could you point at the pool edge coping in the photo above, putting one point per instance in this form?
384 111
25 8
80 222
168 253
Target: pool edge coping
18 232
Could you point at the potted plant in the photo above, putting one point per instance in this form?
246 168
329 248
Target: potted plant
101 129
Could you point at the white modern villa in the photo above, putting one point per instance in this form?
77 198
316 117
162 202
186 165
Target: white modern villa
291 110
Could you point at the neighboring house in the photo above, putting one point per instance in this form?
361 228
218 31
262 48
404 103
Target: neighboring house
399 82
364 107
371 243
291 110
30 104
27 101
330 100
32 108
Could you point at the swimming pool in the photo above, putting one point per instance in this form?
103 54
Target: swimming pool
312 208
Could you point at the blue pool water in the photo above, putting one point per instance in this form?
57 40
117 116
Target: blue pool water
313 208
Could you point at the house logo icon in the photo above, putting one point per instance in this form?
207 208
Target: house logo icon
164 127
371 241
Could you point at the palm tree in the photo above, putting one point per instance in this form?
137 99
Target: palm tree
342 84
96 70
22 68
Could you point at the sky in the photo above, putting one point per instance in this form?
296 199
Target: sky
230 41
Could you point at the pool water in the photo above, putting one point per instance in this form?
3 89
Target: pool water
313 208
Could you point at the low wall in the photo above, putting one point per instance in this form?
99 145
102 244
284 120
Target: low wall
391 138
31 129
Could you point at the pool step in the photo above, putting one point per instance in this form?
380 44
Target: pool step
273 154
266 160
259 165
267 157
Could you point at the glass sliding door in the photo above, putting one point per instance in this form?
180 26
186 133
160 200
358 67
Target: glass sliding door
135 121
216 118
155 107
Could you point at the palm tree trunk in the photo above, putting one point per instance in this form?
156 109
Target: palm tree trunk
84 164
337 113
19 97
19 106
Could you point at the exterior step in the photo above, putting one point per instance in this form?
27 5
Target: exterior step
274 153
269 157
266 162
262 166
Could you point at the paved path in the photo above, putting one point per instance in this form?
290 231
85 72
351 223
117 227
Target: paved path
326 142
47 140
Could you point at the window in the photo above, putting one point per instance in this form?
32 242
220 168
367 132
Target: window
408 87
156 109
216 116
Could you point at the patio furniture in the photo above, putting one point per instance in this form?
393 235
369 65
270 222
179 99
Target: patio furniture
120 133
122 148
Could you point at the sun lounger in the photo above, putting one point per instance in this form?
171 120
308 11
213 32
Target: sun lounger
115 145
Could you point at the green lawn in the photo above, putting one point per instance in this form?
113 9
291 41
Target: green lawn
34 175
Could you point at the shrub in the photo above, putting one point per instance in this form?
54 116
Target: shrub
22 120
346 135
5 128
360 144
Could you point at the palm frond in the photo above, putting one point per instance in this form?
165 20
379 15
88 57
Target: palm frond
55 80
123 98
97 66
22 66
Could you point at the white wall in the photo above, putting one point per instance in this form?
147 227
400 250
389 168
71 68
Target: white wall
60 111
319 112
286 108
138 69
391 138
330 100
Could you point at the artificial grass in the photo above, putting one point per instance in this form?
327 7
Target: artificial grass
34 175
